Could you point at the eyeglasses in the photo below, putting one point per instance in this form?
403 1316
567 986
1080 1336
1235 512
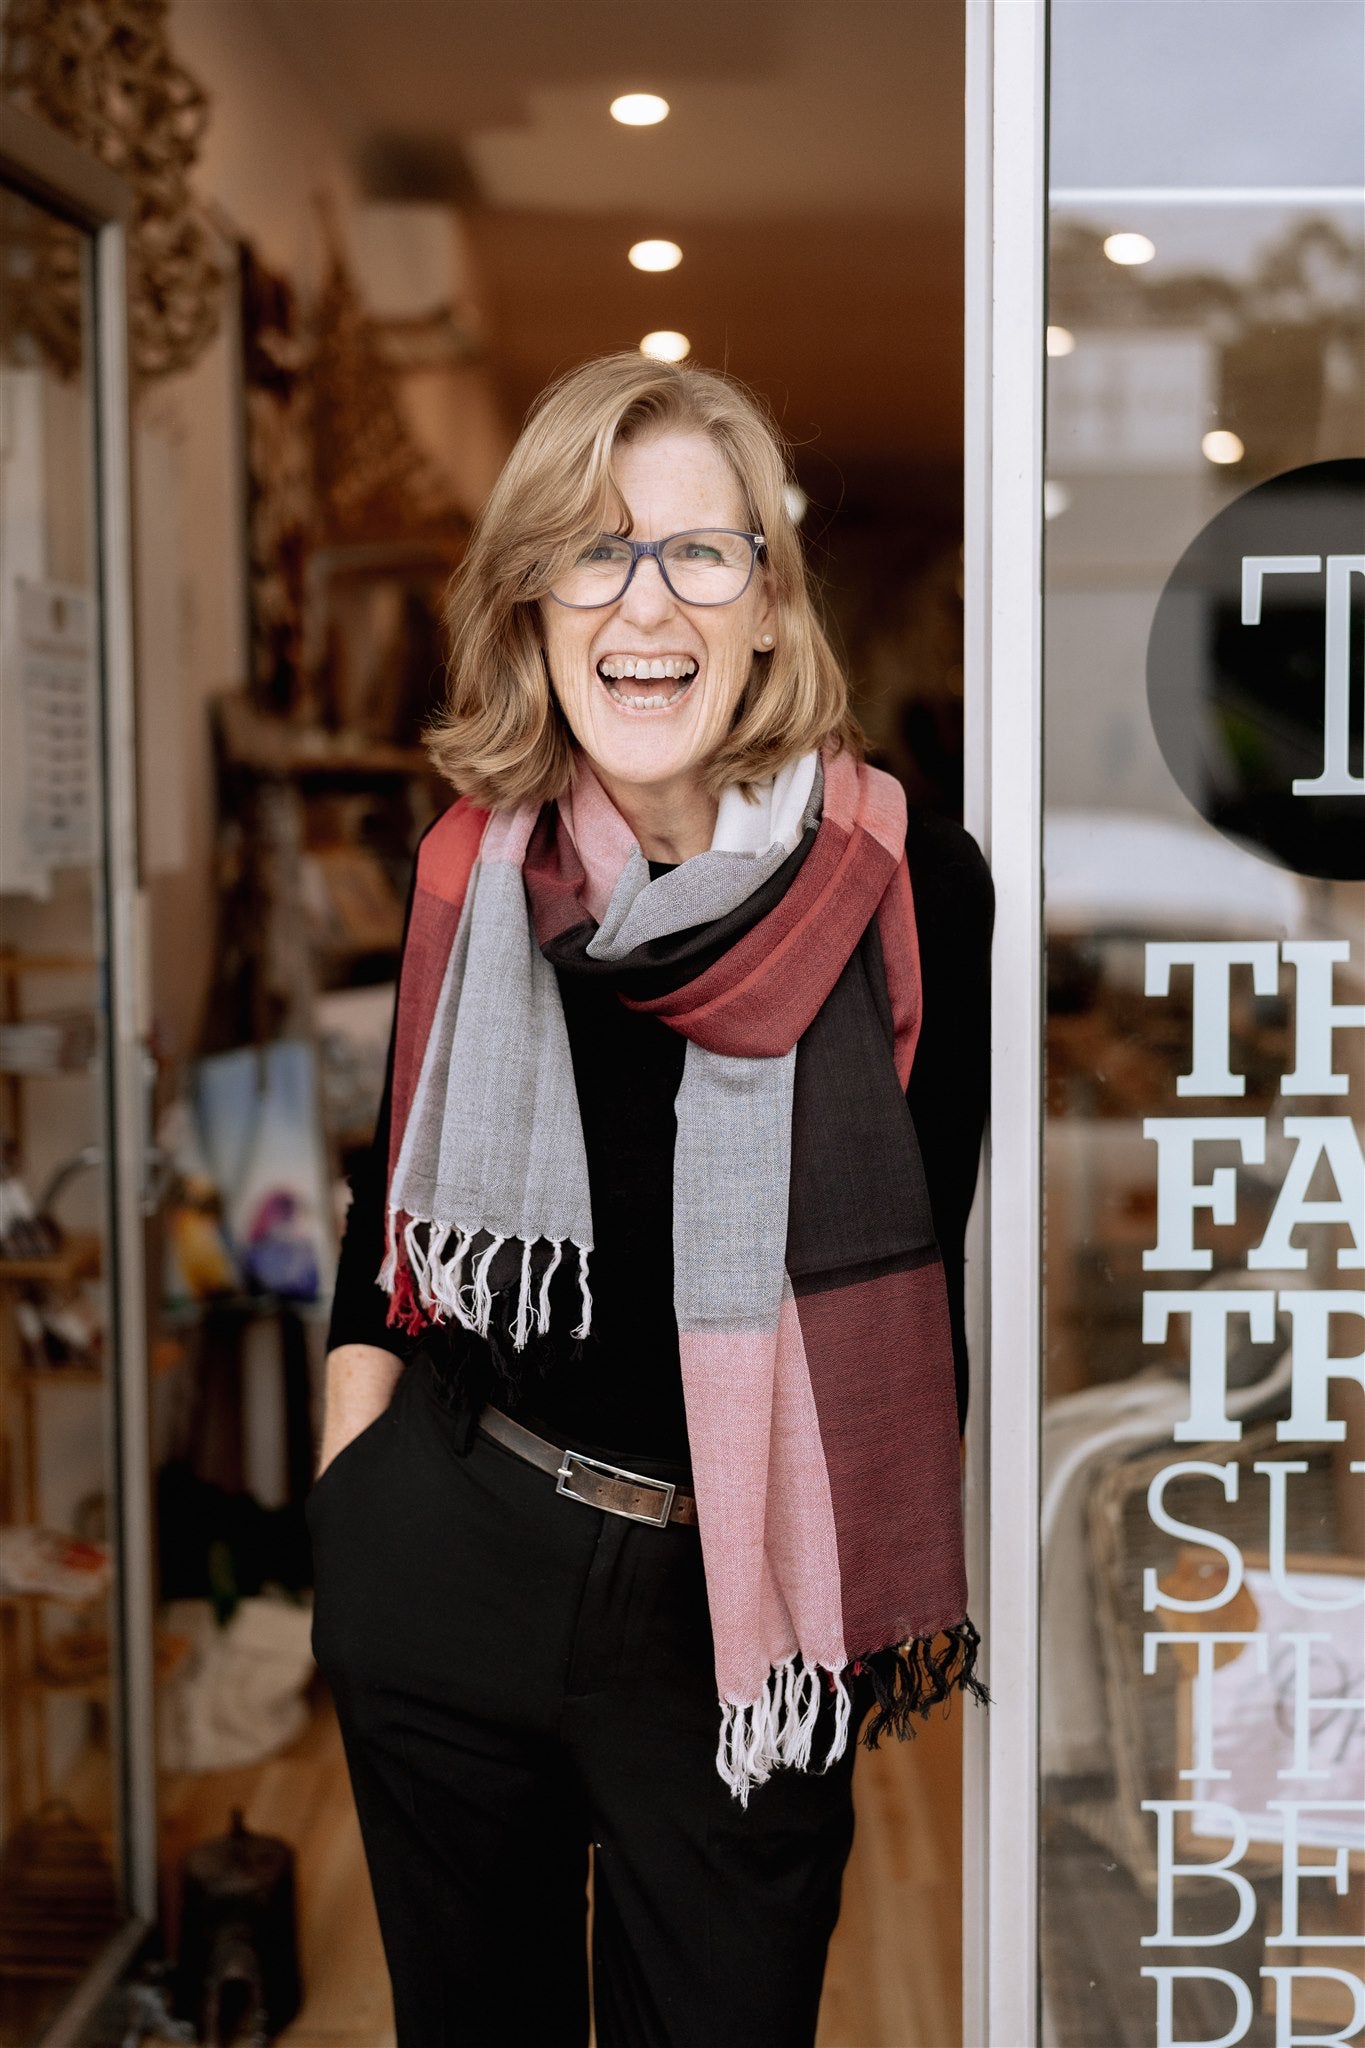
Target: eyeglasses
707 566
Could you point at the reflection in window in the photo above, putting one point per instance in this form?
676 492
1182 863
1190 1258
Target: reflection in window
1203 1241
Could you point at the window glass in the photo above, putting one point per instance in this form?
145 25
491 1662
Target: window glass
1203 1515
62 1840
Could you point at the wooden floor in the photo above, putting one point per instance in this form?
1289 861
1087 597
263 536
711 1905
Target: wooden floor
894 1965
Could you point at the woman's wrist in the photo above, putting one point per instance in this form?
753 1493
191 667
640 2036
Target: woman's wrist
360 1383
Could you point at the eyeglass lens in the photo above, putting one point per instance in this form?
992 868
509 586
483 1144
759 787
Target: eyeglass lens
700 568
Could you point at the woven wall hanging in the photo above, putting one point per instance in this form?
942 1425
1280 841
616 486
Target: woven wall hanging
103 72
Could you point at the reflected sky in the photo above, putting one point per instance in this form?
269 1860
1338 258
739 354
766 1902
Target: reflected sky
1203 92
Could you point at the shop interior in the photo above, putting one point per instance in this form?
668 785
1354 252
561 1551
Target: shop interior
364 236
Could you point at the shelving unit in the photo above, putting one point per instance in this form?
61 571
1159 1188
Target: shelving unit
23 1615
286 795
23 1682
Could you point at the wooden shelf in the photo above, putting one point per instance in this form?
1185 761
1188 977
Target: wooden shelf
49 1375
12 1598
12 962
170 1652
76 1070
70 1688
275 746
165 1355
358 949
76 1259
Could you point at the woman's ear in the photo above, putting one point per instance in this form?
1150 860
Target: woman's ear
765 625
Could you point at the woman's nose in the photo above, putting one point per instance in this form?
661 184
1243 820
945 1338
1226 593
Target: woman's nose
647 597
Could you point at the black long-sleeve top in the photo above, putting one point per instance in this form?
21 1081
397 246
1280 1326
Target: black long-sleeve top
618 1393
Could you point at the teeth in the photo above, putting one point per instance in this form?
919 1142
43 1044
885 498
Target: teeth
669 667
653 703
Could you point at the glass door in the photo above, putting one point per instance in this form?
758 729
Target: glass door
1165 1809
1201 1646
75 1806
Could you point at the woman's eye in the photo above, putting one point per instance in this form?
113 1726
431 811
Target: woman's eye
699 551
604 551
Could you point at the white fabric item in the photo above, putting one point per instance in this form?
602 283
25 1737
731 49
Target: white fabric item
1083 1434
778 817
38 1560
238 1698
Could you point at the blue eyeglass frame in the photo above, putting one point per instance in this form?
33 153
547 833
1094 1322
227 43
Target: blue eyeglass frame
640 548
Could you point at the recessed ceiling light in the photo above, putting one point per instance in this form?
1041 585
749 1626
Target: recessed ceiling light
1222 445
1127 248
1060 341
655 255
639 109
1056 499
666 345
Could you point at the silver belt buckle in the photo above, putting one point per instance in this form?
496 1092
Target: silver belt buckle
664 1488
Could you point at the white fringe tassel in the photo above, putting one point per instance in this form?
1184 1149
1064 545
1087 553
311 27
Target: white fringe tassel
843 1708
799 1728
521 1329
585 1326
388 1272
483 1294
417 1259
437 1238
438 1273
778 1728
452 1286
543 1314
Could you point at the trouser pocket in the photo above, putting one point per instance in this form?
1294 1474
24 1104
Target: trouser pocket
340 1463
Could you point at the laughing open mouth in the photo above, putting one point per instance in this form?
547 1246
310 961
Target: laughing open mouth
619 671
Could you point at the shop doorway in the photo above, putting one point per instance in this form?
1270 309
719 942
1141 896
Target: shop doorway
432 207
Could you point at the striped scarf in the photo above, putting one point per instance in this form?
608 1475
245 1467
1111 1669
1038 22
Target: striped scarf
811 1307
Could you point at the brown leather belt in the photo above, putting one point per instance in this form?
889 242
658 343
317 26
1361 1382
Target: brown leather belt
596 1484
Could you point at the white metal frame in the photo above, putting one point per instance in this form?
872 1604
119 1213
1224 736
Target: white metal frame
55 173
1005 315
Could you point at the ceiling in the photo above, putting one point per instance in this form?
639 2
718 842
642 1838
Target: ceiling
811 169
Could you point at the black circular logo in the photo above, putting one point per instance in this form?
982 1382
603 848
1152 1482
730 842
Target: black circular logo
1256 670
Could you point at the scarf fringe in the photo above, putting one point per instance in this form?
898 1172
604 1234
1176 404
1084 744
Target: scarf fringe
483 1293
586 1325
395 1277
778 1728
521 1329
910 1678
543 1314
388 1273
425 1278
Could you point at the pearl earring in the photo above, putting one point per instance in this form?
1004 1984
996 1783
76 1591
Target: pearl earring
767 639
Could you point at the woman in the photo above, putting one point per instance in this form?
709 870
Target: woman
666 1499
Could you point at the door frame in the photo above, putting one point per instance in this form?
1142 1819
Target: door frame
1005 315
53 171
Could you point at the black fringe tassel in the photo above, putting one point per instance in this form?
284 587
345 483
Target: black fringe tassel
910 1678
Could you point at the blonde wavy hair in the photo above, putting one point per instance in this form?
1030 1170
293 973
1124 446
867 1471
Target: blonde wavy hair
501 737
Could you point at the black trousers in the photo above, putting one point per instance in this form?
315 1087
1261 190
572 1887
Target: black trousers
517 1677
